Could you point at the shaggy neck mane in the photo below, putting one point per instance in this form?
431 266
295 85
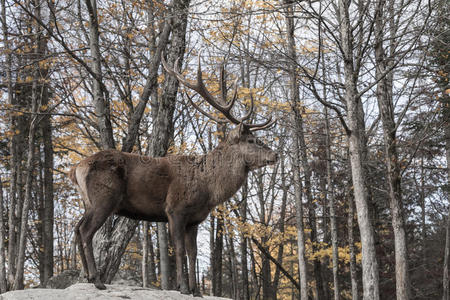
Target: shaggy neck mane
226 171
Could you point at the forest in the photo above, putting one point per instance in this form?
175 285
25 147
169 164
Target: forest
357 206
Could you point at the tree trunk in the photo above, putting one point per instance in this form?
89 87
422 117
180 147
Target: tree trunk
162 133
211 253
446 122
386 108
266 274
300 227
369 262
163 241
48 207
351 246
354 108
145 268
48 200
109 249
276 277
105 243
295 97
112 241
39 205
235 294
243 245
3 286
14 161
19 276
151 265
148 257
331 205
445 277
218 250
101 101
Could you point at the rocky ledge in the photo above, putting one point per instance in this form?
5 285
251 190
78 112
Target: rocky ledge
84 291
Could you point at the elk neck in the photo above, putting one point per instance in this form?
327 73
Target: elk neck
226 171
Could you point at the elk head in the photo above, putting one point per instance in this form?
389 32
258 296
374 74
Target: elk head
243 144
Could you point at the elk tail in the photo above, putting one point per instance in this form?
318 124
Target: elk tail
72 174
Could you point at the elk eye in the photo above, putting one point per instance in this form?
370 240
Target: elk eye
259 143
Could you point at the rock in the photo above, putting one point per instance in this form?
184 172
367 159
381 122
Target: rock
85 291
125 278
64 279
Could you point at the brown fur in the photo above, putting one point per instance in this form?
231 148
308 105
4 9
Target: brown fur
181 190
72 175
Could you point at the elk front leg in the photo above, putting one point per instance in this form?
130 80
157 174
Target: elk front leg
191 249
177 231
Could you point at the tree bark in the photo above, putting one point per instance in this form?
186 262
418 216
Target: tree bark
354 108
212 263
48 207
265 273
105 243
101 101
14 161
446 278
218 249
152 267
149 88
112 240
243 245
386 108
164 255
297 179
446 122
145 238
272 259
351 246
3 285
276 277
19 276
295 97
300 226
331 205
162 133
235 292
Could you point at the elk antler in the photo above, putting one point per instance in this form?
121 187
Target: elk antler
220 104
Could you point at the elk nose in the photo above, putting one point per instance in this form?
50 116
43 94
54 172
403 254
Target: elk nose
277 156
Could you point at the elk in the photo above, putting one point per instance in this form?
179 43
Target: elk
181 190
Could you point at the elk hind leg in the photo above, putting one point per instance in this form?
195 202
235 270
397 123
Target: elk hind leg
87 230
191 249
105 194
79 244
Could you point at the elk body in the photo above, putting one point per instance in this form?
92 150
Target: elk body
180 190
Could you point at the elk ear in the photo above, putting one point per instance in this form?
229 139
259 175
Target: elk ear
238 133
243 130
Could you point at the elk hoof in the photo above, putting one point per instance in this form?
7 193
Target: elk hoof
197 293
99 285
184 290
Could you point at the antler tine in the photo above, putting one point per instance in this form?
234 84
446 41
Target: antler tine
250 111
201 89
174 72
264 125
225 109
208 115
223 89
235 90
